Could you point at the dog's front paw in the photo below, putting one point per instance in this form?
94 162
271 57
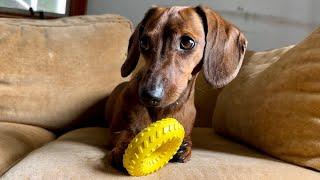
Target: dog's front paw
115 159
184 153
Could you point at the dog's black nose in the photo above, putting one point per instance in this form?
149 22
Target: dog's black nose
151 97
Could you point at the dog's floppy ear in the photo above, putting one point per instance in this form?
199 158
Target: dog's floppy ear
133 53
224 49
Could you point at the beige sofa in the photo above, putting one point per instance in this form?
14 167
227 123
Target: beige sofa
55 77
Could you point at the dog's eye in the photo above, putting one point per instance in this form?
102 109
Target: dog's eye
144 43
186 43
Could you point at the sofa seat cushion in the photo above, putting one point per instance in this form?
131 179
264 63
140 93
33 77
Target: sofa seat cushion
81 154
17 140
54 73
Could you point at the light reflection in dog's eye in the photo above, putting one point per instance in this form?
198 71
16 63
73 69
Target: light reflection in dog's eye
144 43
186 43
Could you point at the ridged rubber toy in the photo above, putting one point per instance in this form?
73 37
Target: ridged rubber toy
153 147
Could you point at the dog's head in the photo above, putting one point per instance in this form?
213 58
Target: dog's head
173 44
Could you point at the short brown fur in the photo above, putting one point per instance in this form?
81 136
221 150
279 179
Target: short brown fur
219 50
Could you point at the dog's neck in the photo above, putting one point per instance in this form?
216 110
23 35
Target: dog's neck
157 113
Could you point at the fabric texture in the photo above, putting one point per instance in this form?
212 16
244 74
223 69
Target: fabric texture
17 140
274 103
206 97
80 154
56 73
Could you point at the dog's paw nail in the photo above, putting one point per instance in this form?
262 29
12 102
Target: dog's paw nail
181 159
180 151
186 143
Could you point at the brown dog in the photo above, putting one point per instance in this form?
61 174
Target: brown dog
172 44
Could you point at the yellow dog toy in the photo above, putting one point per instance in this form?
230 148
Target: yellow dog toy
153 147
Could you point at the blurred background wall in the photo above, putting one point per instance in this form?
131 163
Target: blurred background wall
267 23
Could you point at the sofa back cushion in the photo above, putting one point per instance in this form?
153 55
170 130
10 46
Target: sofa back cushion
274 104
54 73
206 97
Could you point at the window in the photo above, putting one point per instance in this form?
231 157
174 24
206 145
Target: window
43 8
52 6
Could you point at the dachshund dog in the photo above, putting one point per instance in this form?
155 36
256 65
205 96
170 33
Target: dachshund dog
171 45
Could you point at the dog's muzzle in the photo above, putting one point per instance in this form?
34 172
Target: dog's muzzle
151 96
